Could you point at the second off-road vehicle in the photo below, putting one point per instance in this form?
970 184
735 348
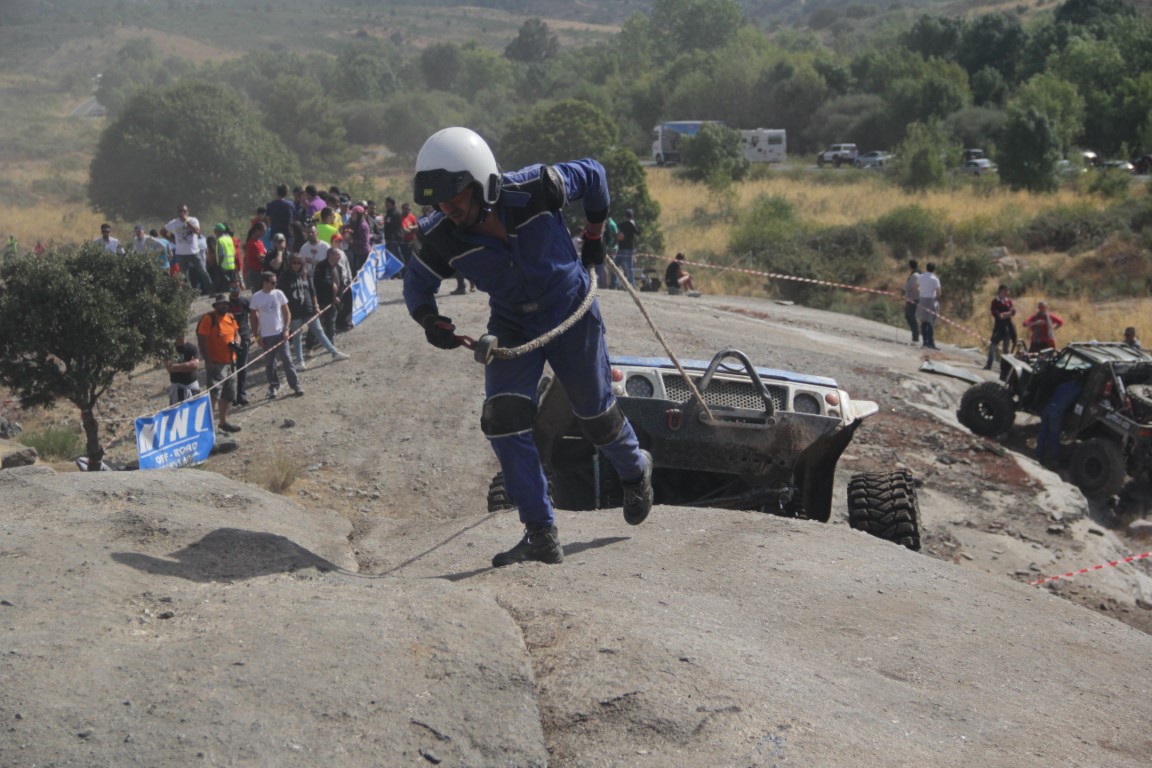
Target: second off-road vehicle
1110 423
771 444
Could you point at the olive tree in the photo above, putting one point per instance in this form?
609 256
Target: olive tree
74 318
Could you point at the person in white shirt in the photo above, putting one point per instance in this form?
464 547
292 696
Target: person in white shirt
110 243
271 320
929 307
186 230
314 249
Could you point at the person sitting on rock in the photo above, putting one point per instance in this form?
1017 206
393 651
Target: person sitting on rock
678 279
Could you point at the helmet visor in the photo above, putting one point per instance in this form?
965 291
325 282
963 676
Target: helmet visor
434 187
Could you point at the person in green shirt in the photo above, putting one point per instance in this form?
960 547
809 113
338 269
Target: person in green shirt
327 226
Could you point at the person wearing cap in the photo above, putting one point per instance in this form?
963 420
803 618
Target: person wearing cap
506 232
345 209
218 336
225 252
1043 327
626 237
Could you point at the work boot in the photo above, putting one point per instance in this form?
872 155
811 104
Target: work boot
540 542
638 495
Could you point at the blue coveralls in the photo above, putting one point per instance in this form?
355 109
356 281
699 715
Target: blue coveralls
534 282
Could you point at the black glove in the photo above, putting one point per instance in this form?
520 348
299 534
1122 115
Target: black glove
439 331
592 252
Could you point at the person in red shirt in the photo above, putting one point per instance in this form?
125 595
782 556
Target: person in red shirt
254 253
1043 326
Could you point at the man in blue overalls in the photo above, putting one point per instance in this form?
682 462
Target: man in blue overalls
505 233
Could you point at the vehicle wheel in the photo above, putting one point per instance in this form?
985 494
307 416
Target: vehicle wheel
987 409
1098 468
1141 396
820 161
835 162
498 500
660 160
884 505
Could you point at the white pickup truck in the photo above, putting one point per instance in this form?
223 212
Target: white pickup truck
837 155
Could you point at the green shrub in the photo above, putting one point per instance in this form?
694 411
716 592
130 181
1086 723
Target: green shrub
1066 228
845 254
54 443
912 230
960 277
1110 184
766 225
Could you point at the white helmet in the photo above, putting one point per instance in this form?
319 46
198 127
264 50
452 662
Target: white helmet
449 161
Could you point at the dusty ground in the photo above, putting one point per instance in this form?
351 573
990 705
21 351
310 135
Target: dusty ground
748 640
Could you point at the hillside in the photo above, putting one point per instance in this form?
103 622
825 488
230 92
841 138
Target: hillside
171 618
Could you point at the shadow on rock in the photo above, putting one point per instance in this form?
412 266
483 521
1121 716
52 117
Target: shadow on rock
228 554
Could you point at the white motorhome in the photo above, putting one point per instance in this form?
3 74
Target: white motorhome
765 145
761 145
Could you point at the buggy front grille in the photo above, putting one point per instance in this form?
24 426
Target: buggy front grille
723 393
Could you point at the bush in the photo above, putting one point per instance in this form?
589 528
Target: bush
278 474
1065 228
54 443
911 231
1110 184
961 277
845 254
767 224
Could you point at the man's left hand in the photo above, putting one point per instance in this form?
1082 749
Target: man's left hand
592 252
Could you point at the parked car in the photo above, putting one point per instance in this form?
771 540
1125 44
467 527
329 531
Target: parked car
837 155
1069 168
978 167
771 444
1110 423
973 154
1142 165
1117 165
874 159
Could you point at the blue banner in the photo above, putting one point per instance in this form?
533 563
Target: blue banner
364 297
177 436
387 265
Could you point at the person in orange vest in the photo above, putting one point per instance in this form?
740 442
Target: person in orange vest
217 335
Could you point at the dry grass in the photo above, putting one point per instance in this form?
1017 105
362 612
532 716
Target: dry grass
278 473
697 223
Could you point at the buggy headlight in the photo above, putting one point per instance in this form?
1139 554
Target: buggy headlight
639 386
806 402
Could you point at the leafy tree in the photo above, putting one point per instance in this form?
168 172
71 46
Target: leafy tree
194 143
934 36
976 126
441 64
534 43
71 320
791 95
923 158
715 155
1029 151
136 66
566 130
1087 12
482 73
992 40
988 87
938 90
864 118
301 113
365 74
1059 101
409 119
688 25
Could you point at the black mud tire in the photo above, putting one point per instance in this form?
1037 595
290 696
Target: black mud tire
1097 468
884 505
987 409
498 500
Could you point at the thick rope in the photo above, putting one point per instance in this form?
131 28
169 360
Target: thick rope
659 336
505 353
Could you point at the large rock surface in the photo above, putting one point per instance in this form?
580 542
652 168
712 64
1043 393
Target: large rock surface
181 618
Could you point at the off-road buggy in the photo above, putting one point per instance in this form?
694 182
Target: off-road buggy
771 444
1110 423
